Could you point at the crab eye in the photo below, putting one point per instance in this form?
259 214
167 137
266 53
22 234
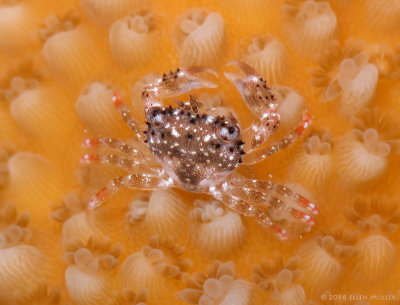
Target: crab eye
155 116
228 132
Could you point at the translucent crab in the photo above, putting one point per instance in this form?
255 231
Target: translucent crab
199 151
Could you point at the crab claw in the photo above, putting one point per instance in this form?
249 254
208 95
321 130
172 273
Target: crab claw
238 81
175 83
200 69
243 66
194 82
253 89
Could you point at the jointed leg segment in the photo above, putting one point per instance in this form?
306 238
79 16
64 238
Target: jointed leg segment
261 153
142 181
247 209
272 187
273 205
124 163
128 119
119 145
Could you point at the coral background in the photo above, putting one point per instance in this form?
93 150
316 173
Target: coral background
51 54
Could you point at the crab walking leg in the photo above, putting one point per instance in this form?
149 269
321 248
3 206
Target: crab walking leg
142 181
124 163
235 203
173 84
121 146
261 102
264 199
257 155
271 187
127 116
245 208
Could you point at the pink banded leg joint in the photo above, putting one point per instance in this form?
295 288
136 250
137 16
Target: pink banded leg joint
96 199
302 216
282 233
90 142
90 159
116 98
264 220
312 207
304 124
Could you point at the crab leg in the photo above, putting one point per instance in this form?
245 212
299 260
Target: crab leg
124 163
174 84
268 210
260 198
261 102
127 116
245 208
144 181
270 186
260 154
121 146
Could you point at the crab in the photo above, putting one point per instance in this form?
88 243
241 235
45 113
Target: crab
199 152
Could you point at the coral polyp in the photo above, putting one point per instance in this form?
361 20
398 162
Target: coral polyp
363 152
267 55
161 213
315 164
90 265
280 280
216 230
132 39
199 36
157 267
310 25
346 74
218 286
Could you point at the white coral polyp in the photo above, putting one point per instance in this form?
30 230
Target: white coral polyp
313 27
105 12
131 40
225 291
96 110
318 146
200 38
16 27
290 106
19 267
373 145
356 80
383 14
86 289
322 269
162 212
268 56
216 230
362 156
377 258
